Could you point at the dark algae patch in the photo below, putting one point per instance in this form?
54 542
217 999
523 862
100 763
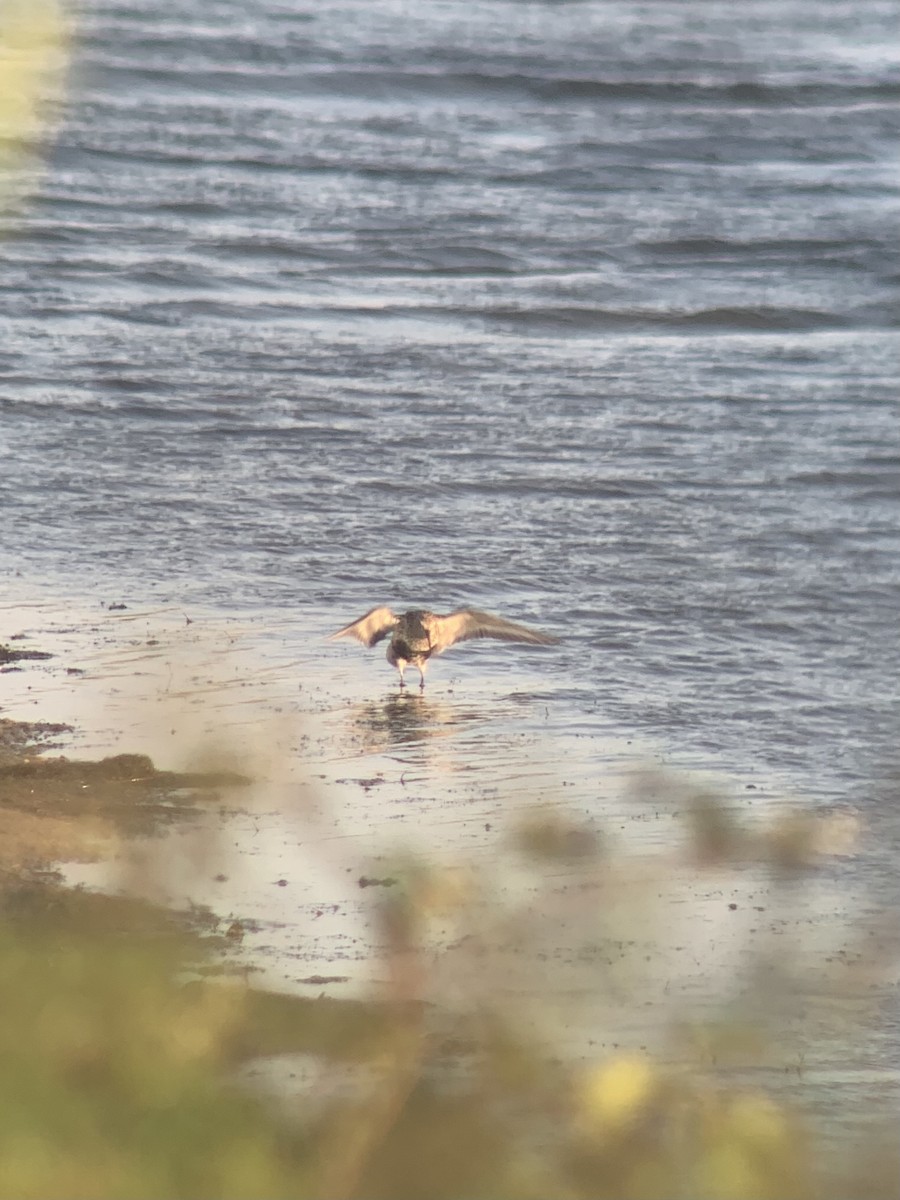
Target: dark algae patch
126 789
17 738
9 654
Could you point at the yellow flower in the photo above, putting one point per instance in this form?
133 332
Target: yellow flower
616 1094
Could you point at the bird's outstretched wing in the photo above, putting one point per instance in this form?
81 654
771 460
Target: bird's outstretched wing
468 623
369 629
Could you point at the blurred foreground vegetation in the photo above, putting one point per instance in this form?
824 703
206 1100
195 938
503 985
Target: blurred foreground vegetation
127 1060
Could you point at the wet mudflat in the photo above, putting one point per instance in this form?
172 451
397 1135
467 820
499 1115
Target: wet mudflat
595 890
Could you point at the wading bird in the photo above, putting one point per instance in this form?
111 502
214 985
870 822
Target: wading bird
416 636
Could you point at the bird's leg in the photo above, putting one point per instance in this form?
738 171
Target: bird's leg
422 680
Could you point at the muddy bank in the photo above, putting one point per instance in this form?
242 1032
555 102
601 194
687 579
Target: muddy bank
54 809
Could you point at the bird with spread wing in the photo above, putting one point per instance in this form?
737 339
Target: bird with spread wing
417 636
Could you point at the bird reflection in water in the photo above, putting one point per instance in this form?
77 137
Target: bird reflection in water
405 718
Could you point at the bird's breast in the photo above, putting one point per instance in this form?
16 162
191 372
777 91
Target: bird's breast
411 648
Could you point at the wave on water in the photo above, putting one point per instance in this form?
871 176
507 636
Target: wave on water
758 318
